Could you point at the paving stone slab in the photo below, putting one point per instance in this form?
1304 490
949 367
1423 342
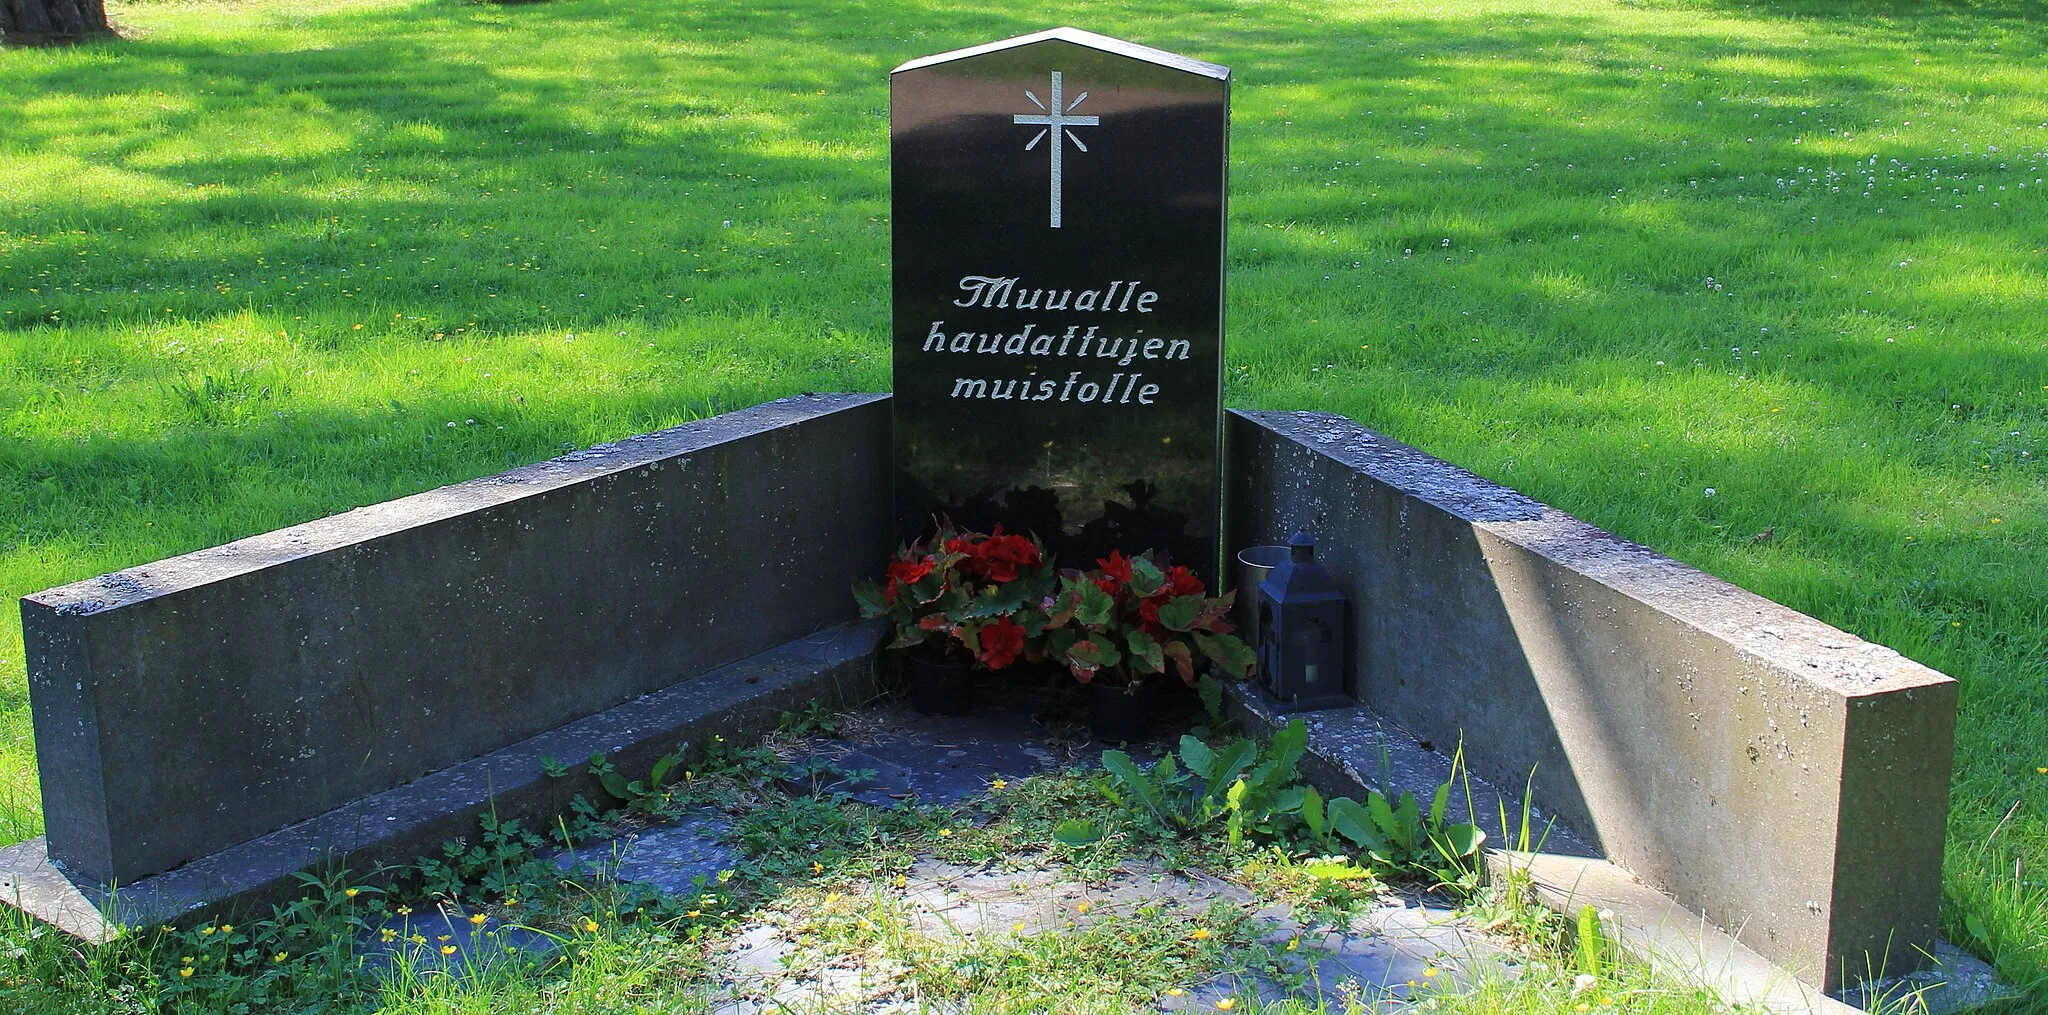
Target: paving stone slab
901 755
677 858
1242 987
1381 956
1384 956
417 940
949 899
1014 731
763 971
931 770
1399 948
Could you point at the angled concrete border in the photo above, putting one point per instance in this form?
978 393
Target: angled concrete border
739 700
1781 778
1351 750
1676 943
185 706
1658 714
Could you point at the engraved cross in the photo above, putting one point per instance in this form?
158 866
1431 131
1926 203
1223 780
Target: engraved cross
1056 121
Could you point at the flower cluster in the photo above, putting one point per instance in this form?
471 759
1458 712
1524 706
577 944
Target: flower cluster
964 592
995 598
1131 618
996 557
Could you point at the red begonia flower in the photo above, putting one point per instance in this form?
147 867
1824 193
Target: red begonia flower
1001 642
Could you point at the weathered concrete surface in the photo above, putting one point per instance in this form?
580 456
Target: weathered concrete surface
184 706
1678 944
1391 951
680 857
903 756
1783 779
740 700
416 940
1351 750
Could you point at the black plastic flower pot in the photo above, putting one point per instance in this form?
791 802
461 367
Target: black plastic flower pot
1120 713
940 685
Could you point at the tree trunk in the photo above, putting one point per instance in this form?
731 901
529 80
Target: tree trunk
39 22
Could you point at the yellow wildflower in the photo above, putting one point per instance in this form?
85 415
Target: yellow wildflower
279 957
945 832
351 892
478 918
817 868
1429 971
447 949
405 910
695 913
589 925
1017 927
187 971
999 785
1226 1004
1201 933
1174 992
1294 943
207 931
227 928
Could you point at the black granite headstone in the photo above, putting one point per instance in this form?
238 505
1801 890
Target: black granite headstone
1059 208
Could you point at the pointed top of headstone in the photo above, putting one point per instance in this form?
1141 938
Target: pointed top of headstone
1079 38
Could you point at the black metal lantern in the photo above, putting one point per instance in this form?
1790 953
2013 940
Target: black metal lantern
1301 632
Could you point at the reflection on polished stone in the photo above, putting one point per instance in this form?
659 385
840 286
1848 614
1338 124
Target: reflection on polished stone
1058 294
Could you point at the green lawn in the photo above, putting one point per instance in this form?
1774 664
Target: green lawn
262 263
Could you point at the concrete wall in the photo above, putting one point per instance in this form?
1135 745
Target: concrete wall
199 702
1784 779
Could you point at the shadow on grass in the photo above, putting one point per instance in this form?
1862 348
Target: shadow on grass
1940 19
447 136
